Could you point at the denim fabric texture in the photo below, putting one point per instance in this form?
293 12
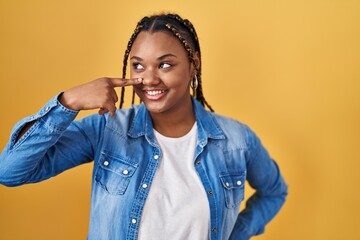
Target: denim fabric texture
125 156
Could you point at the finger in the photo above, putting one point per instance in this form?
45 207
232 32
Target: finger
121 82
110 107
110 91
102 111
114 96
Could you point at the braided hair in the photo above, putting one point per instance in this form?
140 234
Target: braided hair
184 31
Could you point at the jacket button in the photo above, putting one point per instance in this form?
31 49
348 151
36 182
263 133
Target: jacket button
238 183
227 184
133 221
144 185
156 157
125 172
214 229
198 162
210 192
106 163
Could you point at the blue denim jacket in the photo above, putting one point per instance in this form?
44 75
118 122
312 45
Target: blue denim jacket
227 154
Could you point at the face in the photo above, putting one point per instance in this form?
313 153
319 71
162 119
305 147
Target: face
163 63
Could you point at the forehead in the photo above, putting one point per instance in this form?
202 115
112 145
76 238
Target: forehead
156 44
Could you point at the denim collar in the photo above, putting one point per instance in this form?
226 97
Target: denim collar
206 123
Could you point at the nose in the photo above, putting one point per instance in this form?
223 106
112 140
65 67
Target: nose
151 78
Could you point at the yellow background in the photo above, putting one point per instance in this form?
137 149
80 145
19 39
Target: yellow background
289 69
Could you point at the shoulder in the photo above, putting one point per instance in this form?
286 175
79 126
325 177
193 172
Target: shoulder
234 130
228 124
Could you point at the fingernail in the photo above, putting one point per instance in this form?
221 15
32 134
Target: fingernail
140 79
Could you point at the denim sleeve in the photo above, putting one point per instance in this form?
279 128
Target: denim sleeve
53 144
264 176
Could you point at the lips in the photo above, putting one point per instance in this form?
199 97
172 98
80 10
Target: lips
155 94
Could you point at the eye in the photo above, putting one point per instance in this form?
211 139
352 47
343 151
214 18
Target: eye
165 65
138 66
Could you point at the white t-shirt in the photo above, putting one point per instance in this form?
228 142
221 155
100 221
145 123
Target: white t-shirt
177 207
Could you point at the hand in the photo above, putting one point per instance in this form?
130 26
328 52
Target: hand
99 93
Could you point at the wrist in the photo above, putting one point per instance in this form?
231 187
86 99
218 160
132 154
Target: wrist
67 101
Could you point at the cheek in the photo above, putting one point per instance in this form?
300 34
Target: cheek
179 79
137 88
178 82
132 73
138 91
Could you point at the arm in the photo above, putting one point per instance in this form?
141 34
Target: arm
49 142
264 176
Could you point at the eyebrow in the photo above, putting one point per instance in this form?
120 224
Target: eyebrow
159 58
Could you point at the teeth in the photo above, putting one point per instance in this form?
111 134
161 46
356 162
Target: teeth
153 93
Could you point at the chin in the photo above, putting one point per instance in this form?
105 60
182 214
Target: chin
153 108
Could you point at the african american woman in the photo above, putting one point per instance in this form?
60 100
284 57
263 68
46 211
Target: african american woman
166 168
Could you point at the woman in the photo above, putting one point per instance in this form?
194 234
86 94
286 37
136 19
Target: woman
164 169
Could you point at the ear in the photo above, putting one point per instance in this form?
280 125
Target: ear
197 60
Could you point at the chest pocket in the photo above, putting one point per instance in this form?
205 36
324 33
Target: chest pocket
114 173
233 185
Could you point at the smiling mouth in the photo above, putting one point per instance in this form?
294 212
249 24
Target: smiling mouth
154 95
155 92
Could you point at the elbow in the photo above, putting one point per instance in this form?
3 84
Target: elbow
281 193
9 184
282 190
9 176
9 180
278 191
284 193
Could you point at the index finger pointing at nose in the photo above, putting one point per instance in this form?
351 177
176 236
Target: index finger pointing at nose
121 82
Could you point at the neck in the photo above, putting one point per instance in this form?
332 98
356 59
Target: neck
174 124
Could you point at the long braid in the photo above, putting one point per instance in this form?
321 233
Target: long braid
183 41
198 93
126 56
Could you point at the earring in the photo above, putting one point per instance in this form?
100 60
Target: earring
194 83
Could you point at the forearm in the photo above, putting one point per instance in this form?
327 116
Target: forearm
30 145
259 211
